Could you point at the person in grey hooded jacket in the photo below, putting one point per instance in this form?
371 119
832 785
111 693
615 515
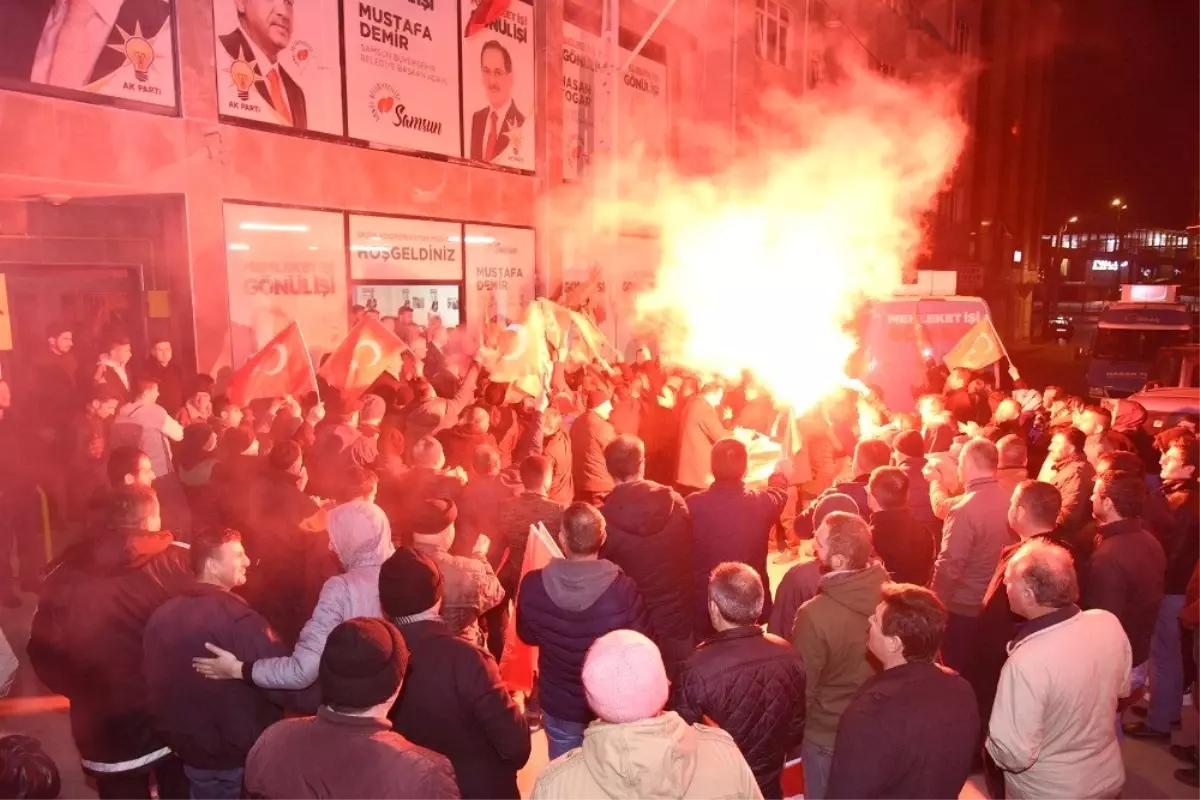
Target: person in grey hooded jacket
361 538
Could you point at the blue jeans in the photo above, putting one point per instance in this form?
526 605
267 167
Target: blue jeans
215 784
562 735
1166 667
816 761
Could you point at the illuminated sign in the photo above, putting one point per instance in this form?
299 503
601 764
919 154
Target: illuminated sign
1107 265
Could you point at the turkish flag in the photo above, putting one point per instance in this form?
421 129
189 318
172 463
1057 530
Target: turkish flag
978 348
484 14
282 367
522 357
519 660
362 357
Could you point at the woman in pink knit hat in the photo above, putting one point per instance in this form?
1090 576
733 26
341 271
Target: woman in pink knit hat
635 749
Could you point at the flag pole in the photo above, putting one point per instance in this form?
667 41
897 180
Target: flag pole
312 370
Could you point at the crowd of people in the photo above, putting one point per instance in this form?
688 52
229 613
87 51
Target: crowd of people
314 596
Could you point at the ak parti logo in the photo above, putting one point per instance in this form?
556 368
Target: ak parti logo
383 101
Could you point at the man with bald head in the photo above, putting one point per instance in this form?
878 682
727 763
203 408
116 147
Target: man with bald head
975 532
1051 729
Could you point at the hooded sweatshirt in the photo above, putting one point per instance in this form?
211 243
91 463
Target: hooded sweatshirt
649 532
562 609
361 538
658 757
831 635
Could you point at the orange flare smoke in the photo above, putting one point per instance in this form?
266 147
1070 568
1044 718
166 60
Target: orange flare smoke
763 266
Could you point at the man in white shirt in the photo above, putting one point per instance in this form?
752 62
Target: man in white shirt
264 31
151 425
497 126
1052 728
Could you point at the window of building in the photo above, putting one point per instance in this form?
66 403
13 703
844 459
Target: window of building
773 22
962 37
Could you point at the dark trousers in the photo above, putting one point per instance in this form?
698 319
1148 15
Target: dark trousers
167 774
496 621
959 642
21 531
785 534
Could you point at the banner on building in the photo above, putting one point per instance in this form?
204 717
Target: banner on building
500 274
126 49
402 74
497 77
580 53
611 273
285 265
279 63
643 109
393 249
425 300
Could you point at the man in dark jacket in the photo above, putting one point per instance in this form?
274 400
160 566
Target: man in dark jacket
869 455
909 455
1126 572
1069 470
1179 489
650 538
905 546
732 523
461 441
910 731
53 388
749 683
565 607
430 413
210 725
425 480
162 367
556 446
507 552
699 430
86 643
590 434
454 701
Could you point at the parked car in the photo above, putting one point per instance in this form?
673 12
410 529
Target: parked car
1173 388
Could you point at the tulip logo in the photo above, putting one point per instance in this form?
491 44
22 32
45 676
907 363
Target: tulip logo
383 101
302 55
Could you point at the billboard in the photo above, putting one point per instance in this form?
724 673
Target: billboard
497 82
279 63
120 49
402 74
500 274
394 249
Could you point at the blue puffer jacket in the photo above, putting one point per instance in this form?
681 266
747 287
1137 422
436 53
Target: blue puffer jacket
561 610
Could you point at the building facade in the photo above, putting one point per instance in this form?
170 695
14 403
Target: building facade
207 169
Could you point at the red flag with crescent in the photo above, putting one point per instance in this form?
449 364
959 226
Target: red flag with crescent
978 348
484 14
282 367
366 352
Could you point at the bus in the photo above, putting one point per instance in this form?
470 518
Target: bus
1129 336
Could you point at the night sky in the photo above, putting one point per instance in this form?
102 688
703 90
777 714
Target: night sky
1126 113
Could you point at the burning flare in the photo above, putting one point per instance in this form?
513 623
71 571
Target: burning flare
762 267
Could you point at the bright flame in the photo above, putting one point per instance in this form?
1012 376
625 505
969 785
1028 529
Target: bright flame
763 267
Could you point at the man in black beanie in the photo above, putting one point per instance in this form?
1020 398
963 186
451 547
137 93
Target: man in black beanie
471 586
348 749
454 701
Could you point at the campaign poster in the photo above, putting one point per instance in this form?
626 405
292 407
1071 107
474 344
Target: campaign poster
500 274
580 53
643 110
393 249
425 300
497 76
402 74
619 269
285 264
125 50
279 63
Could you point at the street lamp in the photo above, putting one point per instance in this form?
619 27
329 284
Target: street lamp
1120 205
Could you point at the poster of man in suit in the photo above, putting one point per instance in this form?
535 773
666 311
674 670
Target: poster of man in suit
278 62
106 48
498 47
